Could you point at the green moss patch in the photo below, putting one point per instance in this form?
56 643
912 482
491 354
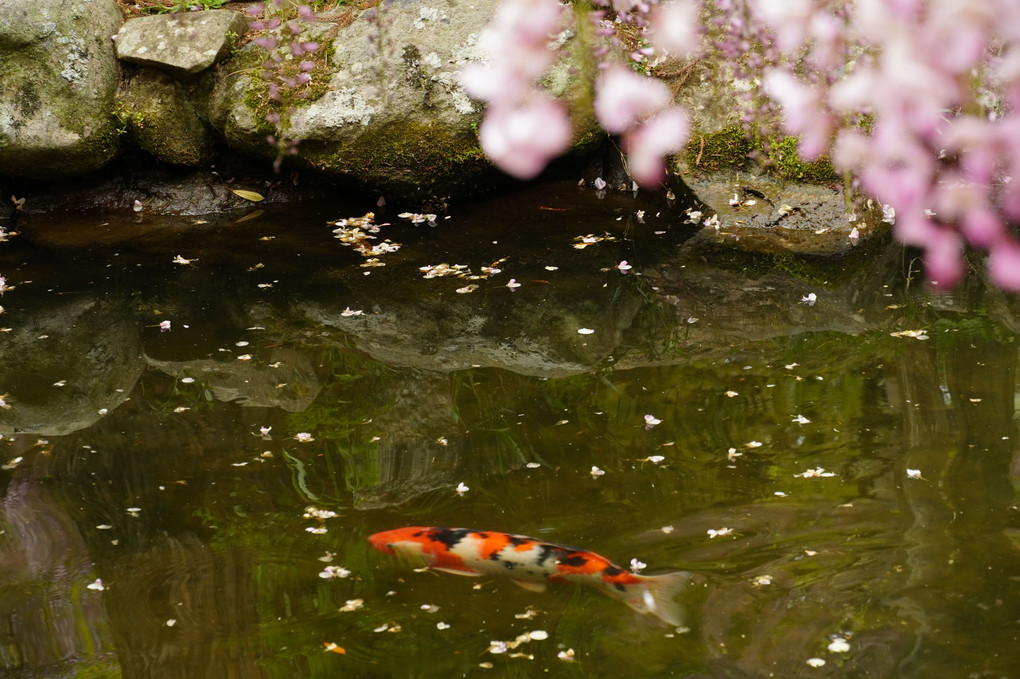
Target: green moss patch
781 160
726 151
733 150
407 157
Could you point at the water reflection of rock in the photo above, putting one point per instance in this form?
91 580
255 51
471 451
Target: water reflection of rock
680 308
43 594
199 613
532 334
64 364
415 454
284 379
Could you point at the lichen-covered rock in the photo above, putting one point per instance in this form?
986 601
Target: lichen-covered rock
58 77
161 118
385 108
182 43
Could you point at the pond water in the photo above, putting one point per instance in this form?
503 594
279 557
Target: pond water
195 500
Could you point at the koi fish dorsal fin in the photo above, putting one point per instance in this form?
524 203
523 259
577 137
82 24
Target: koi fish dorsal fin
657 595
530 585
458 571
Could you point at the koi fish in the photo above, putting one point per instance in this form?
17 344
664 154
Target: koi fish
531 564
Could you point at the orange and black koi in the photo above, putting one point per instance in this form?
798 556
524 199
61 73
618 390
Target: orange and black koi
531 563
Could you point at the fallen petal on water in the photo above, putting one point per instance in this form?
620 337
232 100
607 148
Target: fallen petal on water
839 645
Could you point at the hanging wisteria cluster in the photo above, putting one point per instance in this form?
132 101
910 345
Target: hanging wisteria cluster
917 100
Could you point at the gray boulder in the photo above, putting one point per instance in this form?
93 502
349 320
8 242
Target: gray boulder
57 86
181 44
392 117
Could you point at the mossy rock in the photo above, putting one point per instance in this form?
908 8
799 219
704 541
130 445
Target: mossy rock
159 117
58 77
393 119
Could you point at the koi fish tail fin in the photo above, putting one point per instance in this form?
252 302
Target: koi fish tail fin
657 595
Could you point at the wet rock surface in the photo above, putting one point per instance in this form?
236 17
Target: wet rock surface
156 192
762 214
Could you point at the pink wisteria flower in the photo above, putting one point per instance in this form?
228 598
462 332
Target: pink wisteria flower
801 106
675 27
624 98
917 100
930 77
648 144
521 140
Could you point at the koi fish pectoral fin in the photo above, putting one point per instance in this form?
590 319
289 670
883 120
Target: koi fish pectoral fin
458 571
530 585
657 595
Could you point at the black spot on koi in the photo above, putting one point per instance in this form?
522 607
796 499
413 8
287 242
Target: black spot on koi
576 560
546 551
449 537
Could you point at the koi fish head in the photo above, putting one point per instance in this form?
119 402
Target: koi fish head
407 543
388 539
383 541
